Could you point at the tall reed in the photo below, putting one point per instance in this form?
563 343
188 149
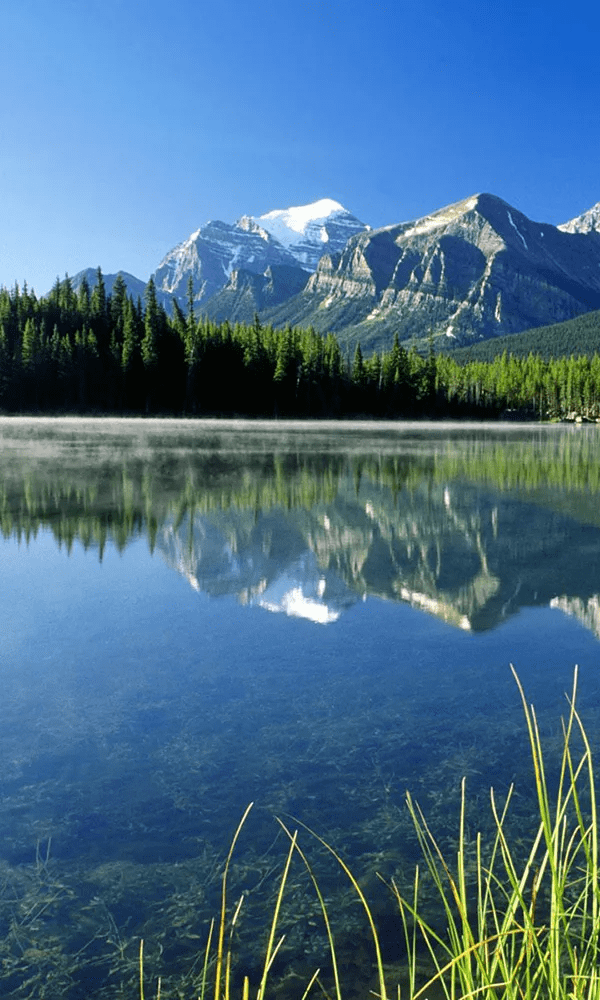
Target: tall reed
519 925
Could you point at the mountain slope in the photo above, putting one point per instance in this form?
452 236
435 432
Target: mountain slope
246 293
473 270
135 286
579 336
294 237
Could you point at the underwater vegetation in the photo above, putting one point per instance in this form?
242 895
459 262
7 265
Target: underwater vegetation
514 923
501 903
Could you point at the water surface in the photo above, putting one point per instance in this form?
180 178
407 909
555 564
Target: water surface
315 618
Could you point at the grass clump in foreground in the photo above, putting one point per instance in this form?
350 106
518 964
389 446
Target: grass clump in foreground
522 927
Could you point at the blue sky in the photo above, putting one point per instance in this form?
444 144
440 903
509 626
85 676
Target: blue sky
126 126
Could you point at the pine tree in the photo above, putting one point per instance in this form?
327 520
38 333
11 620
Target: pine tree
98 298
132 369
5 366
84 299
151 328
116 310
30 346
358 367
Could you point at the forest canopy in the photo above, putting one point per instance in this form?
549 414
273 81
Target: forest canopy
87 351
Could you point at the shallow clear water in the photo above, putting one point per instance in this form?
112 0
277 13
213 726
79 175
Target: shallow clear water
316 619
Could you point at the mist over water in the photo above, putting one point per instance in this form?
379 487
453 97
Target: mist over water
314 617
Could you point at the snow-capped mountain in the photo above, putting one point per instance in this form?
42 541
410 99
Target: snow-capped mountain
587 222
295 237
475 269
309 231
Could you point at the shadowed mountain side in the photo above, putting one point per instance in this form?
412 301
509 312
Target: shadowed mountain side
247 293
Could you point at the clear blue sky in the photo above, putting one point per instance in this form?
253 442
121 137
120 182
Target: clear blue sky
125 126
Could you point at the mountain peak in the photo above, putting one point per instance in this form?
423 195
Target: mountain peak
293 237
299 217
308 231
587 222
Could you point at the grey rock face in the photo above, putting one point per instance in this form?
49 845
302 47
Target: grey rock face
246 293
475 269
211 254
295 237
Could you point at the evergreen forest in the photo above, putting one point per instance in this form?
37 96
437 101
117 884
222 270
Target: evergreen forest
577 336
86 351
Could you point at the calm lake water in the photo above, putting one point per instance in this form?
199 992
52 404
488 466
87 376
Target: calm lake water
311 617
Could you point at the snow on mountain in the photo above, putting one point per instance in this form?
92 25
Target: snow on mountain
293 237
587 222
309 231
284 222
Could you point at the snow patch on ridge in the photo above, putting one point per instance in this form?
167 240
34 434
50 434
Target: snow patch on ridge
518 232
585 223
230 266
442 218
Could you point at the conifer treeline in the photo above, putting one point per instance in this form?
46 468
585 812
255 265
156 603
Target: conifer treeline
88 351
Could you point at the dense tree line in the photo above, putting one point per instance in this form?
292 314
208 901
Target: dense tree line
88 351
577 336
552 389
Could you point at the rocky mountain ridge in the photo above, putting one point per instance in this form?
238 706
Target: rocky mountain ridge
473 270
294 237
587 222
470 271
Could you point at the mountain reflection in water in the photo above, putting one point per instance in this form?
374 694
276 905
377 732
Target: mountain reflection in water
469 525
467 554
144 708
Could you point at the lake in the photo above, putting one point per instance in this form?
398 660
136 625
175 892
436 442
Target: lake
314 618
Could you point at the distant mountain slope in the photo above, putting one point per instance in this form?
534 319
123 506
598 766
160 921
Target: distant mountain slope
573 337
135 286
246 294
